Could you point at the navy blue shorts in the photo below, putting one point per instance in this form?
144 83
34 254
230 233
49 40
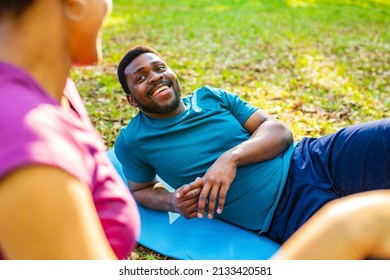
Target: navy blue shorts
352 160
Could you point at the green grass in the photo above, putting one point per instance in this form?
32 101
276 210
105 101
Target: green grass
316 65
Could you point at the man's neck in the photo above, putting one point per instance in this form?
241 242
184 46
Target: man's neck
180 109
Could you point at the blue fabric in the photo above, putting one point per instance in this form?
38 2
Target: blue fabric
352 160
201 239
182 148
198 239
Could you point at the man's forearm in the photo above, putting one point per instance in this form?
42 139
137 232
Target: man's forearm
269 140
154 198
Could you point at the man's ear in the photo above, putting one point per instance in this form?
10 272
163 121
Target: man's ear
131 101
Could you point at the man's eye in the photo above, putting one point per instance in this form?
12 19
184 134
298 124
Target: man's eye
161 68
140 78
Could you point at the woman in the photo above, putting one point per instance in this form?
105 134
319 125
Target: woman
60 198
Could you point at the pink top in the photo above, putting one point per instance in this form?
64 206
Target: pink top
35 129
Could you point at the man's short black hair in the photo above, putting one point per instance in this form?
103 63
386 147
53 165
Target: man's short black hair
127 59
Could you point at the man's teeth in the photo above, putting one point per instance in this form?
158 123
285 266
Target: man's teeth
157 91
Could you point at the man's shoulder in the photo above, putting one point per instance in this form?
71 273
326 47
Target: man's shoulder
127 132
211 93
133 122
208 90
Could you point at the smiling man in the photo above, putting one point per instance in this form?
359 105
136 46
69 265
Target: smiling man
228 159
162 98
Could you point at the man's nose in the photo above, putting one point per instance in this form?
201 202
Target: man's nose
155 76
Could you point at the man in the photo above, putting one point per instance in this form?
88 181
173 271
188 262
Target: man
228 159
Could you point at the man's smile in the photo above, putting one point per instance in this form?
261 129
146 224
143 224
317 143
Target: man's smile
159 90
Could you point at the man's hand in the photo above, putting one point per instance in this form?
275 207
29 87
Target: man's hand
216 183
269 138
185 199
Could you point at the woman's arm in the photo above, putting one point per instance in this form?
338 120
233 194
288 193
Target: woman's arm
45 213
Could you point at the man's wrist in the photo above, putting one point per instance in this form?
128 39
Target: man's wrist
172 203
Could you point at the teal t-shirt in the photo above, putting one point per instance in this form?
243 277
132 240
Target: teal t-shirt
182 148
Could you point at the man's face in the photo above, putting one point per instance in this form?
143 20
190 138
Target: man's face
154 87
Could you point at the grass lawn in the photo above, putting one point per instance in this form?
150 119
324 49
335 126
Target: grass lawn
317 65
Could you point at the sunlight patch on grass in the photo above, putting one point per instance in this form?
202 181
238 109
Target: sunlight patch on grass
300 3
218 8
116 20
320 71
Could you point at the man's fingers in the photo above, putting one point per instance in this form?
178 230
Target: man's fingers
188 205
185 189
212 200
182 191
202 199
192 194
189 209
222 196
191 215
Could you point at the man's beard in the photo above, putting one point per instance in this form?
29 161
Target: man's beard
156 108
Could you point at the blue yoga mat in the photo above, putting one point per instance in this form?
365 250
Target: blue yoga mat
197 239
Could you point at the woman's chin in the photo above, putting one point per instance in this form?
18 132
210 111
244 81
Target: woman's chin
88 60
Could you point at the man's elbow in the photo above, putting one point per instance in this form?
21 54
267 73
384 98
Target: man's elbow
287 138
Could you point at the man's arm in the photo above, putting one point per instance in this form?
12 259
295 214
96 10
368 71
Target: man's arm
159 198
270 137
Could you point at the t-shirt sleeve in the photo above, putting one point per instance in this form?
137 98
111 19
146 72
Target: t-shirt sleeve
133 166
239 108
45 141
